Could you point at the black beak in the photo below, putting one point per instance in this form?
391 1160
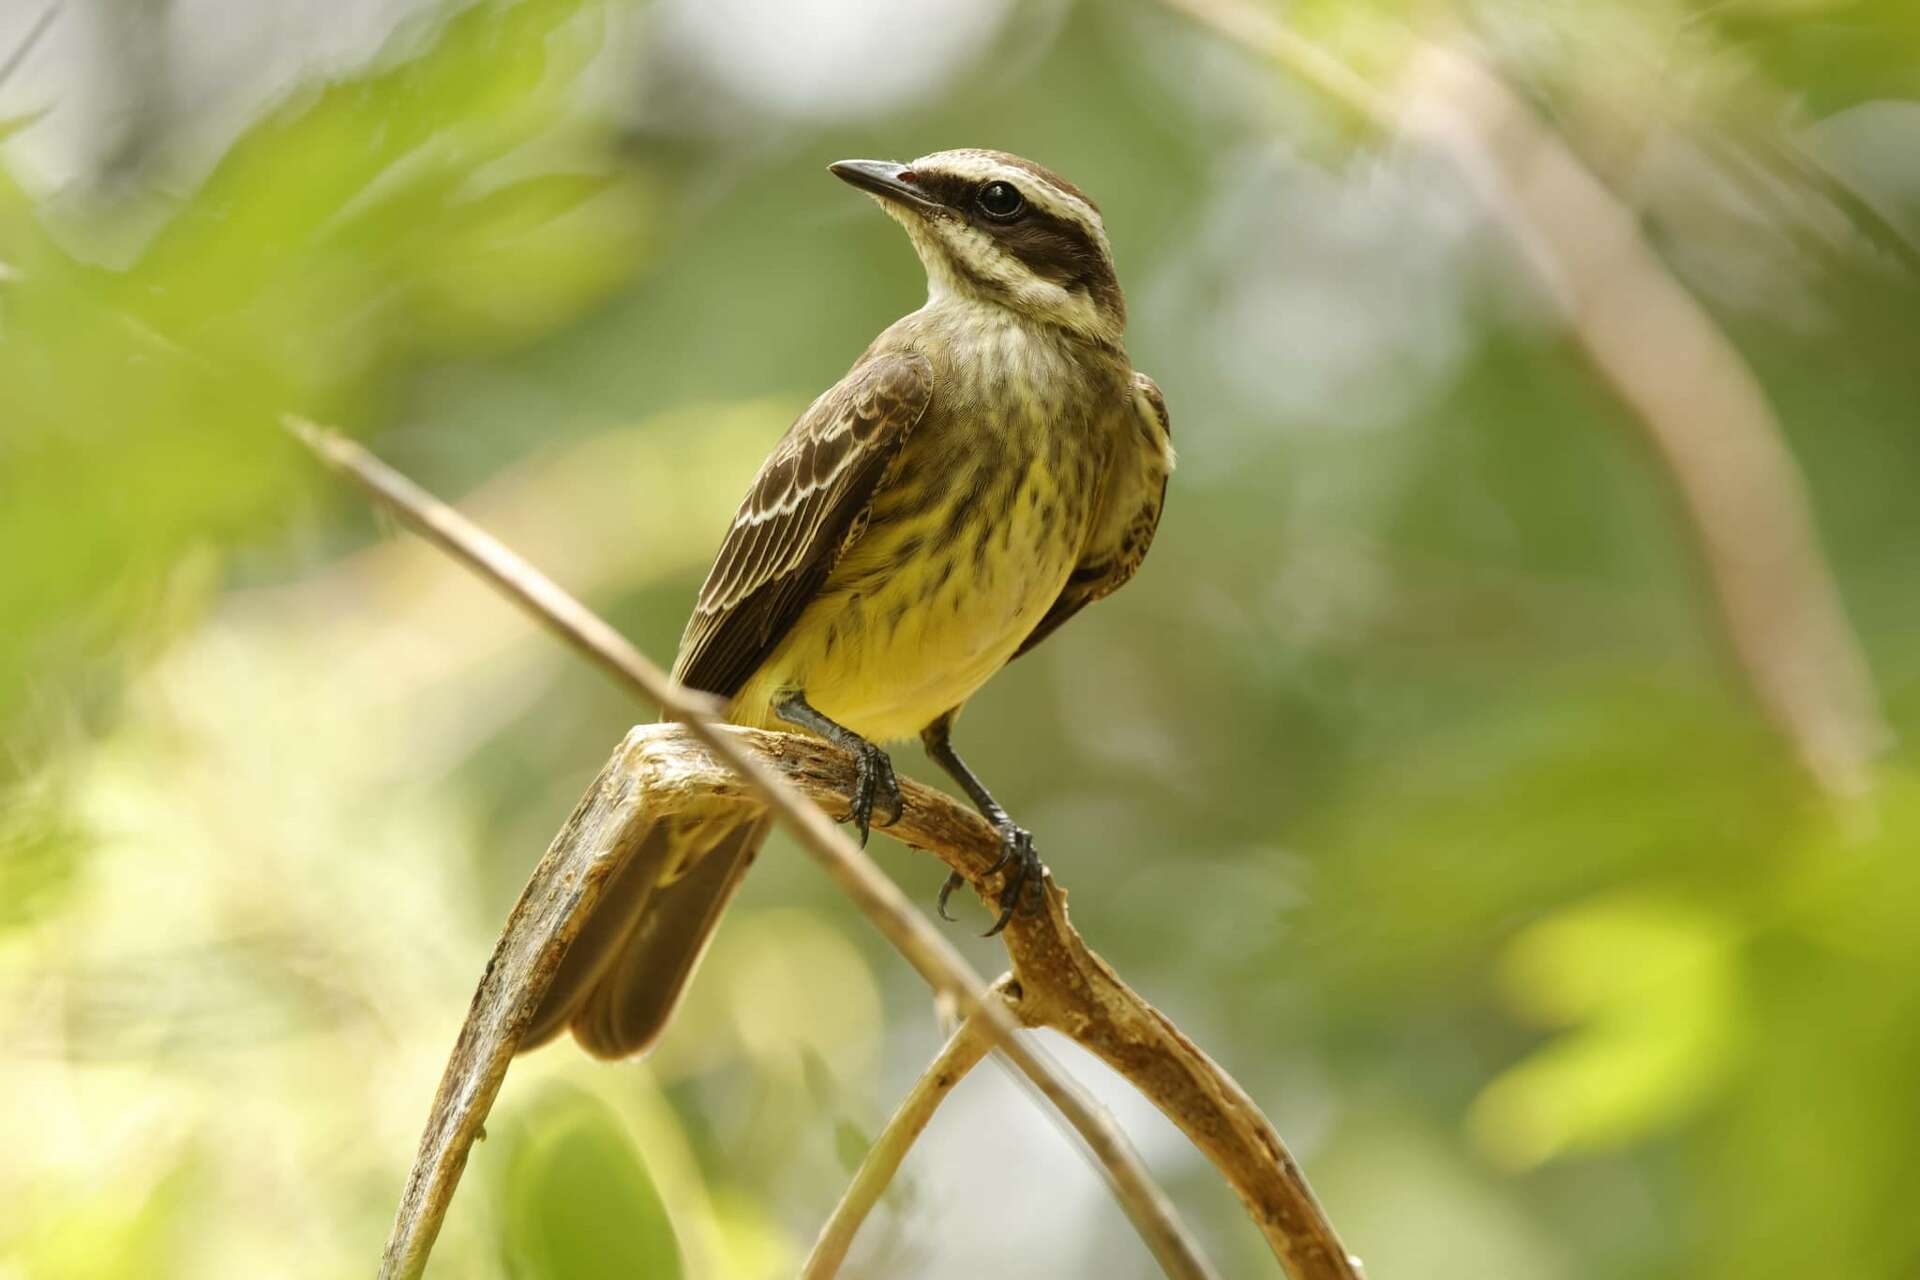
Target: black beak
889 181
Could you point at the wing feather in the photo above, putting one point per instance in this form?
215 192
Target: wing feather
809 500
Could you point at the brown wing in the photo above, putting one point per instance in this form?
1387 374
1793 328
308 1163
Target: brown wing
1135 490
810 499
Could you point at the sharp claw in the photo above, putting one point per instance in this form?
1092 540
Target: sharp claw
1016 849
887 783
954 881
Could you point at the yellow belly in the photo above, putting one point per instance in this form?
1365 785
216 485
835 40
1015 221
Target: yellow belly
907 628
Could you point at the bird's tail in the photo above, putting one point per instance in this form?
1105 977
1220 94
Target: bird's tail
623 975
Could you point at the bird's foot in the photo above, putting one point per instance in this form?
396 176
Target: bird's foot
1022 865
1024 871
874 786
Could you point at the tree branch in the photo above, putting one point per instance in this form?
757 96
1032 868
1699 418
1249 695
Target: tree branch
1662 355
961 1054
568 880
1061 984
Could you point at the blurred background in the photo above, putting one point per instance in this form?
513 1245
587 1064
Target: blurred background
1413 776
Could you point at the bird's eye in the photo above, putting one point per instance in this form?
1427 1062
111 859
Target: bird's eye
1001 201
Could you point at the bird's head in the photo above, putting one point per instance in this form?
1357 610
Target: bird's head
993 228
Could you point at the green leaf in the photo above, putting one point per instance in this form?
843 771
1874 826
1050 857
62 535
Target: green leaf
1650 988
580 1202
850 1143
456 196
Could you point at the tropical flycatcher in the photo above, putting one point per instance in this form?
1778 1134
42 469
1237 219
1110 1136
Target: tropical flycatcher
991 464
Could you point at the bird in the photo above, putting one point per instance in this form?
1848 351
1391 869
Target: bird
991 465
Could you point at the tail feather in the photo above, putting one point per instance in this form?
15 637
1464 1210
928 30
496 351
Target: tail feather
630 1006
604 937
625 973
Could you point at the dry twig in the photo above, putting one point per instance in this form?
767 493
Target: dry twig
961 1054
732 764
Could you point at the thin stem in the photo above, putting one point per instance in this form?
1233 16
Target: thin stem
961 1054
931 955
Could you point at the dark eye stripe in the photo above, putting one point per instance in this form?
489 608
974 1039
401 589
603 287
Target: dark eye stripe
1057 248
948 189
1054 247
959 193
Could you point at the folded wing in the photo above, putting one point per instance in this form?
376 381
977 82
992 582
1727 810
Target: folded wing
809 501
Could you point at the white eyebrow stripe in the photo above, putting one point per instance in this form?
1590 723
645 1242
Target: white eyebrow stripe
977 166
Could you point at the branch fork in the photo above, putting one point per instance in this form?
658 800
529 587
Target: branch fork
662 770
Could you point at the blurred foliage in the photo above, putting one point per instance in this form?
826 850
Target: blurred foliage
578 1199
447 200
1409 777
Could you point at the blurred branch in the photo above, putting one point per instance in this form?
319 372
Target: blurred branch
1259 32
1687 386
1765 163
961 1054
568 880
1700 406
35 33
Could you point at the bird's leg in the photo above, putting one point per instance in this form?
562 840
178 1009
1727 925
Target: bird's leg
873 770
1016 842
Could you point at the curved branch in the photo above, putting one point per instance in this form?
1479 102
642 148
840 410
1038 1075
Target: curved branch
574 871
1059 982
